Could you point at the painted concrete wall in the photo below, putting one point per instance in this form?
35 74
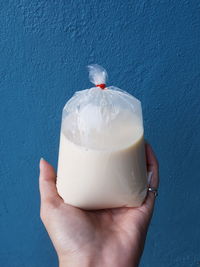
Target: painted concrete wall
149 48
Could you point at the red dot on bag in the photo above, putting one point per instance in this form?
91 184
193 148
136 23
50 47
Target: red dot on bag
102 85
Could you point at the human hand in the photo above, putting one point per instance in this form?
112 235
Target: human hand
111 237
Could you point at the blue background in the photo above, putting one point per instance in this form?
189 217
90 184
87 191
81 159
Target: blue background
149 48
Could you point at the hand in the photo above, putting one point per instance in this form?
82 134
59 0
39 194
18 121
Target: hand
112 237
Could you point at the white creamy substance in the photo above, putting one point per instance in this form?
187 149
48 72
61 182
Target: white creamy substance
109 170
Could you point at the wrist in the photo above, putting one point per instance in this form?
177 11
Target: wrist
113 254
97 260
76 260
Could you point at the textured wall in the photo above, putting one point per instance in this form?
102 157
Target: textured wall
149 48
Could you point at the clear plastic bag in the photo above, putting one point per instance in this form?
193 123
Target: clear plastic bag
101 156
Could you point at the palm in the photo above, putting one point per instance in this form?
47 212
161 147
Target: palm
76 229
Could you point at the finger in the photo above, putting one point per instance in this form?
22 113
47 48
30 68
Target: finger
47 183
152 166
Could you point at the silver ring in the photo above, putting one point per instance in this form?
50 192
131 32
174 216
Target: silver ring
153 190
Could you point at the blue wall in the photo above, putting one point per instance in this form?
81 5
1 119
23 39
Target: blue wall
149 48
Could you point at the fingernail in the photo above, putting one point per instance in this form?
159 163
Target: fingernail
149 177
41 159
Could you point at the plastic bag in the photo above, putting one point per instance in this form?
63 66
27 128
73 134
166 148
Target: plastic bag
101 156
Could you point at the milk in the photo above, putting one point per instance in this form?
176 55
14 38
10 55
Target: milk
110 172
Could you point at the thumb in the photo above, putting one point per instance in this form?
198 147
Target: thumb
47 183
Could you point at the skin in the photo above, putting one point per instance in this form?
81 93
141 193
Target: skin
103 238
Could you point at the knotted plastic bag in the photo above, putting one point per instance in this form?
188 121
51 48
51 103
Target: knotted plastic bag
101 156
